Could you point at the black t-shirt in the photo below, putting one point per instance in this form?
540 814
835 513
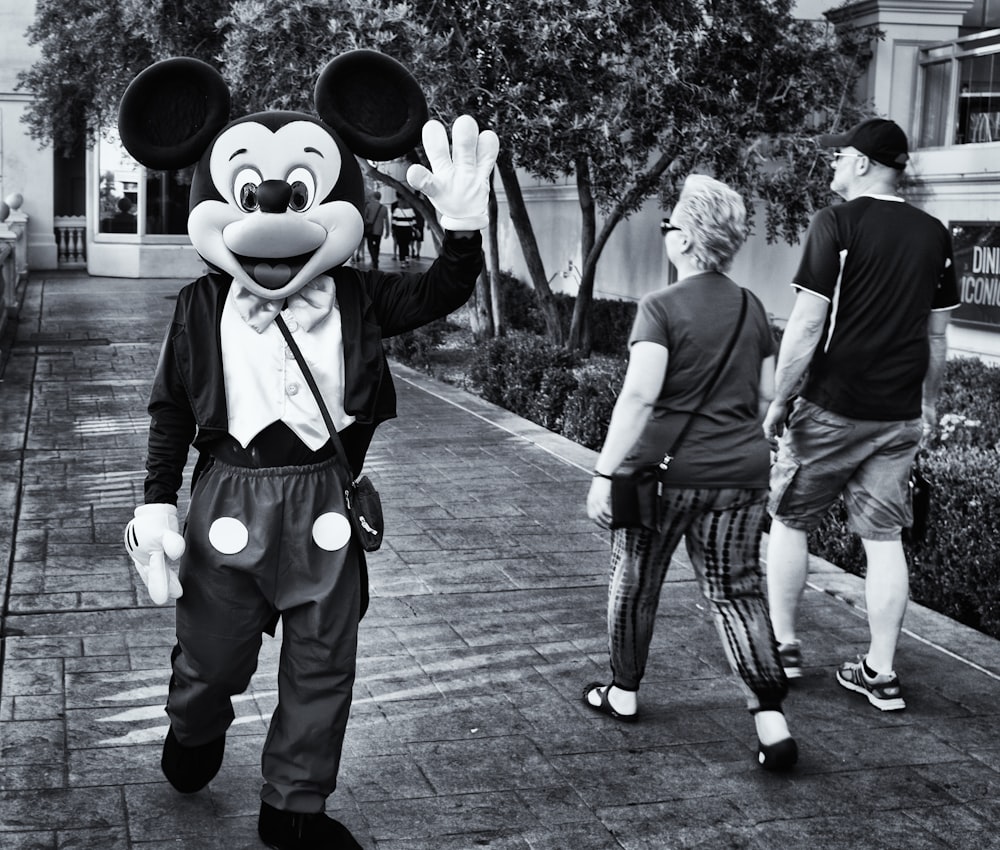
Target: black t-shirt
694 320
883 265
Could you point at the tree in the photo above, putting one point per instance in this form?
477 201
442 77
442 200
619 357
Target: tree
91 50
628 96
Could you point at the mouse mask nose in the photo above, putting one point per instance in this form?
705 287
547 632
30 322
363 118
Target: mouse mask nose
273 196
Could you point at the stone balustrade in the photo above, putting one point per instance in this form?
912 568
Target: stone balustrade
71 240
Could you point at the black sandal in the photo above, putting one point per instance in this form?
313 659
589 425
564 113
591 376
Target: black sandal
605 707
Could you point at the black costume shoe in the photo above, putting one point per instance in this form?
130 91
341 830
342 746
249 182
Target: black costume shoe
779 756
282 830
190 769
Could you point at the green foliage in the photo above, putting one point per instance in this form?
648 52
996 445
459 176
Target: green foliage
610 326
416 347
273 50
91 49
588 408
526 375
520 306
539 381
956 569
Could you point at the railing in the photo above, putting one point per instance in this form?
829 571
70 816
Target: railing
71 240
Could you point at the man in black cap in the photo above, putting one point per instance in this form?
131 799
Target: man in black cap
862 355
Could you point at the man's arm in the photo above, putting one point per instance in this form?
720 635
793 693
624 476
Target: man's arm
937 337
802 335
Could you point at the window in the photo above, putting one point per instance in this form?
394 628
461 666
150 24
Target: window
167 201
978 99
118 188
135 200
960 102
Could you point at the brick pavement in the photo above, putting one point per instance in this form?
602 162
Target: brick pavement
487 616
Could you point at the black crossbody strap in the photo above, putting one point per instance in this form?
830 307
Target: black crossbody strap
307 374
710 388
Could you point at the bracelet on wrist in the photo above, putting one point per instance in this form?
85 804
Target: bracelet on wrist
597 474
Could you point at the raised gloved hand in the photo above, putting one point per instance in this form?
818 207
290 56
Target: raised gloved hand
152 539
458 182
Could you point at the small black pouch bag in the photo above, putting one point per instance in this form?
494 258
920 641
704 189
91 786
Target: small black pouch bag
635 496
364 509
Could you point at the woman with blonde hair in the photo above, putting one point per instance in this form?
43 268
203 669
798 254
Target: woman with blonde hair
701 364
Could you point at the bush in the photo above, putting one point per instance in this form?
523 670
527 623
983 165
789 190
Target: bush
957 569
526 375
415 347
588 408
520 306
610 326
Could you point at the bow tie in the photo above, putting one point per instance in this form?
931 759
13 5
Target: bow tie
310 305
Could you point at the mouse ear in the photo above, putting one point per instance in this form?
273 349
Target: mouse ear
373 103
171 111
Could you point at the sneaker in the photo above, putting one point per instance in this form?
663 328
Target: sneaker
883 691
791 659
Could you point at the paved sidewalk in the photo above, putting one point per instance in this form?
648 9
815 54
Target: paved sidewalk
487 618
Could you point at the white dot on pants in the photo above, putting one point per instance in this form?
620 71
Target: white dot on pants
331 531
228 535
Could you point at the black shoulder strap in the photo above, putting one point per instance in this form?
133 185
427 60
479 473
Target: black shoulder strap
307 374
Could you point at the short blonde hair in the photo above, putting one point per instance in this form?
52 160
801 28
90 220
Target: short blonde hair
715 220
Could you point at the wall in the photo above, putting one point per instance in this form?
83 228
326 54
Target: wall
634 261
24 166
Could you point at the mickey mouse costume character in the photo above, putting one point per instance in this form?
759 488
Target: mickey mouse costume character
275 210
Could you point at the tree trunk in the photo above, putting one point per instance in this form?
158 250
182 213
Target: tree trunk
579 329
496 290
529 247
588 273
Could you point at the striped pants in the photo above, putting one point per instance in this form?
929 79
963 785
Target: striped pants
722 531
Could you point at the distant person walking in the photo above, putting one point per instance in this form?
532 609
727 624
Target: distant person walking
715 490
403 221
866 342
376 219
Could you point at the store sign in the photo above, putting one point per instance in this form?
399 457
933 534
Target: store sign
977 271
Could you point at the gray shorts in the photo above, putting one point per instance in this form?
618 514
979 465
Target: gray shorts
822 455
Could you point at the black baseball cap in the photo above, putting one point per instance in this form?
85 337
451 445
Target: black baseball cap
877 138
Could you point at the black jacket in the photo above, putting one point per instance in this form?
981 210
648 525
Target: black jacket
188 400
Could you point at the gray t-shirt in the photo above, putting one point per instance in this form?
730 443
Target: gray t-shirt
694 320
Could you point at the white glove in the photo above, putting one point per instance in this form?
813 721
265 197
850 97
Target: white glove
458 187
151 538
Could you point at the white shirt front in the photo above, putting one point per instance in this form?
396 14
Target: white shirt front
264 383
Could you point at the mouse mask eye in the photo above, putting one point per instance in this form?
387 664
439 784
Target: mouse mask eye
246 189
303 185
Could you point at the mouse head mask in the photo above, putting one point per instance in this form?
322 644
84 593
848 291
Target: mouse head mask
276 197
